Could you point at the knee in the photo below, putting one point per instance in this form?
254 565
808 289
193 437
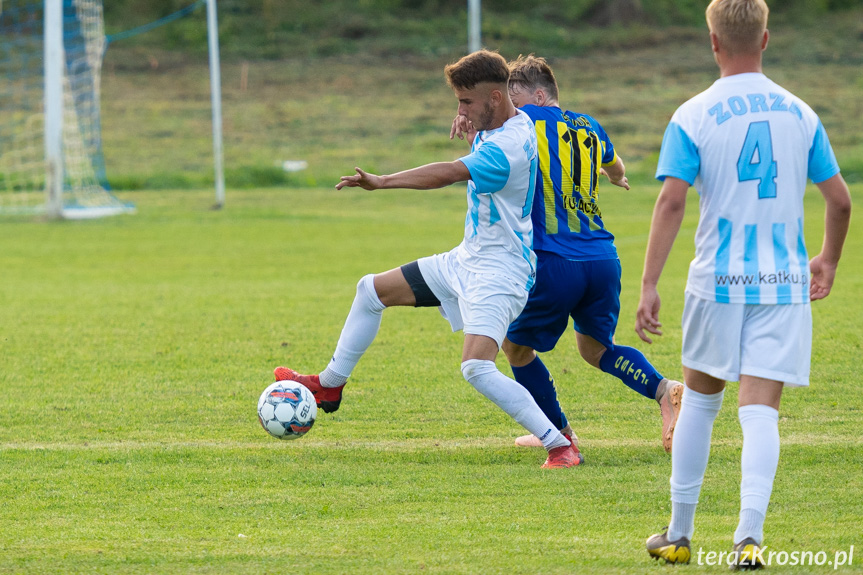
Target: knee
517 355
592 352
367 293
366 284
471 369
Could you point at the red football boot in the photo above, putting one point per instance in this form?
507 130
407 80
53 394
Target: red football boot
327 398
565 456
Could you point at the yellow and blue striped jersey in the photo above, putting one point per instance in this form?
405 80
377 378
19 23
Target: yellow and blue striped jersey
566 216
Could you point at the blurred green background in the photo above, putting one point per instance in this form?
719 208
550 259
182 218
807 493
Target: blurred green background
338 84
276 29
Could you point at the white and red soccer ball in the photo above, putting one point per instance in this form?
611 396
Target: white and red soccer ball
287 410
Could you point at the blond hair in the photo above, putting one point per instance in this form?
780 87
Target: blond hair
738 24
531 73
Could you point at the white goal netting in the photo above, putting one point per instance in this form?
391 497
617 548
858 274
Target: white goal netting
23 165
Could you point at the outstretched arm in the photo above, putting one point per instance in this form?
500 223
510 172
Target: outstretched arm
837 218
616 173
428 177
667 217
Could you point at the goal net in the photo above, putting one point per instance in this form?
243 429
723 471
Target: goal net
25 177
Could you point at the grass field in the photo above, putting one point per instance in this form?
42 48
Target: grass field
134 349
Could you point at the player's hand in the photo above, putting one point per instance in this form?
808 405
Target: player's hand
362 180
462 128
821 278
647 314
622 182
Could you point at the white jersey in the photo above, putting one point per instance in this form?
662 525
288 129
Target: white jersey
748 146
498 233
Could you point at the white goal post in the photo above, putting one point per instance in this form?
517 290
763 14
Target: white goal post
474 26
216 100
50 127
50 136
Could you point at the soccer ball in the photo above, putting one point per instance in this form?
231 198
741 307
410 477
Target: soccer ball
287 410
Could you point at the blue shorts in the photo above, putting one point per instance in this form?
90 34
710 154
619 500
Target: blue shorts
586 291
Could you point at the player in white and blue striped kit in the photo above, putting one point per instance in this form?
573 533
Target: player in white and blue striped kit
748 146
482 284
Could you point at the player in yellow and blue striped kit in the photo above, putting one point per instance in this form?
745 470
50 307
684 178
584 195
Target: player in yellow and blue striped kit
578 270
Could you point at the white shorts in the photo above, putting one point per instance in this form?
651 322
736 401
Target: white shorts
478 303
727 340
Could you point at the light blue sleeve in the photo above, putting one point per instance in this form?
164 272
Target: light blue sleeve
489 168
822 160
678 156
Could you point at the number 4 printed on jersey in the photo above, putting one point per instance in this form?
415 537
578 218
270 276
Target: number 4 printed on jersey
756 160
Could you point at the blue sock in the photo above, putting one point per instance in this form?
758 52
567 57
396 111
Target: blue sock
631 367
536 379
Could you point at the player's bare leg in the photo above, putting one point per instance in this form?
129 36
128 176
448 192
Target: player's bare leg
374 294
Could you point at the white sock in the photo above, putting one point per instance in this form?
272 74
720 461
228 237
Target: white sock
690 449
682 519
758 464
513 398
361 327
751 525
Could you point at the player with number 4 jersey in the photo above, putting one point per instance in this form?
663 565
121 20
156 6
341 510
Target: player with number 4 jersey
748 146
739 143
